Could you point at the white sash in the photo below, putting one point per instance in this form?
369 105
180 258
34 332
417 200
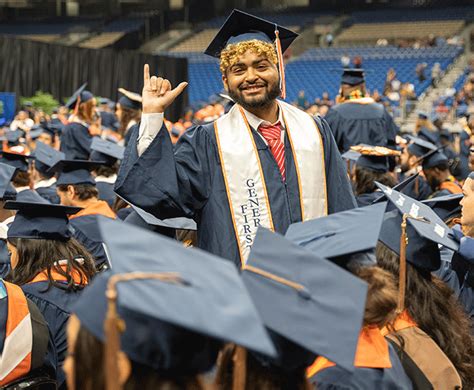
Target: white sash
243 174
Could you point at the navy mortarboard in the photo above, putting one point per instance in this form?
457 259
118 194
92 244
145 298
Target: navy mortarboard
130 99
35 132
177 304
13 136
106 151
46 157
374 158
340 237
40 220
81 95
419 147
242 27
75 171
17 160
149 219
446 206
7 172
352 76
399 187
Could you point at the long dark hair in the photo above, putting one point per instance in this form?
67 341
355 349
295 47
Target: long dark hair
128 114
86 111
364 180
435 309
89 375
36 256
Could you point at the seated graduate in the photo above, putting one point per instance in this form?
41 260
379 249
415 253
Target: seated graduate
158 317
45 133
84 123
340 238
105 174
310 307
44 180
76 187
128 111
28 355
427 306
48 264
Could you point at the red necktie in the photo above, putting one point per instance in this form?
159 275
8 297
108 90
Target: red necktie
272 135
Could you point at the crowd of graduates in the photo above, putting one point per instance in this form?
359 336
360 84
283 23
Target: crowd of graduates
97 292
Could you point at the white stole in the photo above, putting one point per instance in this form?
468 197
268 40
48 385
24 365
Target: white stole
243 173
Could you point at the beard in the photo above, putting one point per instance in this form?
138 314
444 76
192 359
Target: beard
272 91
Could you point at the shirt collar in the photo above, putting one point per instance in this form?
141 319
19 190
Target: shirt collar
103 179
255 121
45 183
21 189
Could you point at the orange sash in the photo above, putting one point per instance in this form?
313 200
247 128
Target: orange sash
371 352
56 276
97 208
451 186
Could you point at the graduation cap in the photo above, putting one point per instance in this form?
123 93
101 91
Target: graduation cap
399 187
351 155
17 160
446 206
46 157
7 172
374 158
339 236
352 76
178 304
172 223
103 150
79 96
428 135
35 132
75 171
433 158
304 300
419 147
241 26
13 136
30 196
130 99
40 220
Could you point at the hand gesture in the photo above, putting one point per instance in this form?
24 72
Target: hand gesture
157 93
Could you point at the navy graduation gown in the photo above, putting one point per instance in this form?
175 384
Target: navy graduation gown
355 123
188 182
55 305
336 378
418 189
106 192
367 199
76 141
108 120
49 193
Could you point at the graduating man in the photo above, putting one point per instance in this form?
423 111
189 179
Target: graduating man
357 118
264 163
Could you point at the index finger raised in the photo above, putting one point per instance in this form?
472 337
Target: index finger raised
146 75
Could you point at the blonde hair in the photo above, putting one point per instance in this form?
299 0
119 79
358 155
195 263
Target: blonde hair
230 55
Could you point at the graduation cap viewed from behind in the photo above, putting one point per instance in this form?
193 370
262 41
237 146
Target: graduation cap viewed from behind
16 160
130 99
108 151
7 172
305 300
241 27
176 302
75 171
80 95
353 76
374 158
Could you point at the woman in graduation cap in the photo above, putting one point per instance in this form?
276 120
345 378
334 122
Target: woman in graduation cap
264 163
48 264
427 307
84 123
128 111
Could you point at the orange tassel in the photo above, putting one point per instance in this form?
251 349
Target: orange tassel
281 65
403 266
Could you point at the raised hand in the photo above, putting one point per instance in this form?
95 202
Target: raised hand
157 93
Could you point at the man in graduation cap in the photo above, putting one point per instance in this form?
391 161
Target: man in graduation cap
263 163
357 118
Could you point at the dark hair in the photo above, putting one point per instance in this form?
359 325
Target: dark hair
107 170
442 166
36 256
128 114
89 375
382 296
258 376
83 191
435 309
365 178
21 179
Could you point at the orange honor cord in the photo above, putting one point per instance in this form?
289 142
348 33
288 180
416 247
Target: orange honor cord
403 266
114 325
281 65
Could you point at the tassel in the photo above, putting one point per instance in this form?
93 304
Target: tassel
240 369
76 107
281 65
403 266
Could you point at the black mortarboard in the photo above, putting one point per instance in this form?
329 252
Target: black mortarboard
425 230
306 300
40 220
46 157
352 76
173 223
103 150
75 171
7 172
130 99
17 160
173 327
339 236
81 94
445 206
241 26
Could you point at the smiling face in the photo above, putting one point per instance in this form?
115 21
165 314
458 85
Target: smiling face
251 76
467 204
